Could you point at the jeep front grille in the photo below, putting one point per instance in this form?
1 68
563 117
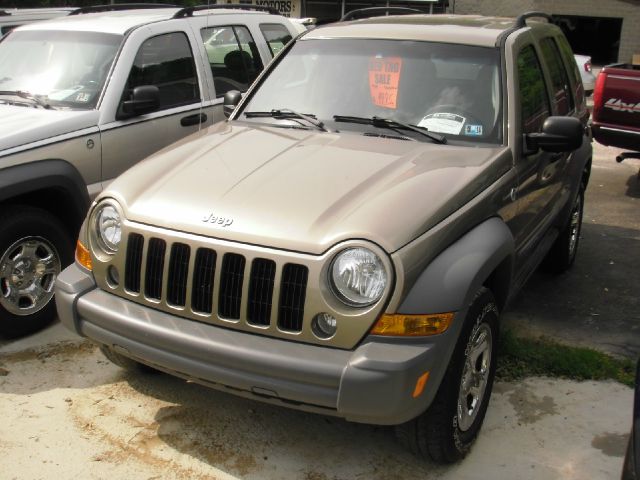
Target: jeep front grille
199 276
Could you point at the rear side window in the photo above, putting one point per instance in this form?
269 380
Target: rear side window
233 57
560 89
276 35
572 67
166 61
534 103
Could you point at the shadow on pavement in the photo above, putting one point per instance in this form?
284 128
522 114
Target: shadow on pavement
243 437
596 303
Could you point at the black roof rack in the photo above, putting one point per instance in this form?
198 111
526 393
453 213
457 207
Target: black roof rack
119 6
188 11
521 21
377 12
3 13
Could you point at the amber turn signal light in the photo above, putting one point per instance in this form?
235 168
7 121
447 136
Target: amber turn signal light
420 384
83 257
412 325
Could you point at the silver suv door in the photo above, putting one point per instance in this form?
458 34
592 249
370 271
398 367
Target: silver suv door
161 55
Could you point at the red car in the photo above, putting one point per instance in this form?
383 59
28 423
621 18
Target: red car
616 108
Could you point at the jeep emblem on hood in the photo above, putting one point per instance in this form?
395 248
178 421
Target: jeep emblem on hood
213 218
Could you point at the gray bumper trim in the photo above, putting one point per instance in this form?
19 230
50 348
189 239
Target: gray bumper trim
372 384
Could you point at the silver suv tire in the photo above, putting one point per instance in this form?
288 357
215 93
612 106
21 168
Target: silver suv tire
34 248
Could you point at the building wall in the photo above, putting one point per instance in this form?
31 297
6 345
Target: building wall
628 10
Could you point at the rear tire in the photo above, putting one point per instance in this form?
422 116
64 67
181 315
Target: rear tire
445 432
34 248
563 253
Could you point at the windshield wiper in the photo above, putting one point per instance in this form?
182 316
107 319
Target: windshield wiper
380 122
27 96
287 113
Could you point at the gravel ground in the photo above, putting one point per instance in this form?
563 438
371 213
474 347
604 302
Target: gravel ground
68 413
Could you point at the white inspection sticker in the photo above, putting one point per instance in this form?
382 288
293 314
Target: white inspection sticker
443 123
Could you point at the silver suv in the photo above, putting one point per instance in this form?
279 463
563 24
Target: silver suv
346 242
83 98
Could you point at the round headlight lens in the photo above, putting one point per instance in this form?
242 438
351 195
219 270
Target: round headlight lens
108 228
358 277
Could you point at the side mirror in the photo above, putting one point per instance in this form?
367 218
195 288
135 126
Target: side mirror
144 99
231 100
559 134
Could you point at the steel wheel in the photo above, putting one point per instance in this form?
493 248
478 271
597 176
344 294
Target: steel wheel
475 375
28 270
574 226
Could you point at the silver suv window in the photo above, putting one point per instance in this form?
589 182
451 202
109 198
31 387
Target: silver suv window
233 57
166 61
64 69
453 90
276 35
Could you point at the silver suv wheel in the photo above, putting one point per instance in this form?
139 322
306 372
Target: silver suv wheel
475 375
28 270
574 226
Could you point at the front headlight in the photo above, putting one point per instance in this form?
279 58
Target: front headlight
358 277
107 227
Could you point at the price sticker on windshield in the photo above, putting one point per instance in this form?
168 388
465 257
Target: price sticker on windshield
384 78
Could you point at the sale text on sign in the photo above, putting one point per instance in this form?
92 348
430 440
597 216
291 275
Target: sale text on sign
384 78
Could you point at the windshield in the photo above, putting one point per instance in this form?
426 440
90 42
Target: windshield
452 90
64 69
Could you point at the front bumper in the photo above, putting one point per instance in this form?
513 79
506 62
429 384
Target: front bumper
372 384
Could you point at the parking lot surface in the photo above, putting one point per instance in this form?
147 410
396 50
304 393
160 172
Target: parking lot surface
68 413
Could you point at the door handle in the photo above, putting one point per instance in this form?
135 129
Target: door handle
193 119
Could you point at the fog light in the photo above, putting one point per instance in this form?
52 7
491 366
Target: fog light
113 276
324 326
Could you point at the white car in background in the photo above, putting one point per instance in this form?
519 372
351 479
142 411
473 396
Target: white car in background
588 79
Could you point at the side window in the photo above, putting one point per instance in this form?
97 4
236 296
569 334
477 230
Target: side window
276 35
233 57
570 61
560 89
534 103
166 61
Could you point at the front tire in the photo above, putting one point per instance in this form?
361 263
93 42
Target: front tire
445 432
34 248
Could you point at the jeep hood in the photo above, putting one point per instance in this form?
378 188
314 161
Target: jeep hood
21 125
304 190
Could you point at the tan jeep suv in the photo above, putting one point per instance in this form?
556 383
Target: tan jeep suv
344 244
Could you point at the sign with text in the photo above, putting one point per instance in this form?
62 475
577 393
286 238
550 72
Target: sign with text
384 78
286 8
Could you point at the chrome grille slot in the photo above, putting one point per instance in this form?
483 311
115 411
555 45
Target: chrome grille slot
231 279
178 274
134 262
261 283
293 290
155 267
202 287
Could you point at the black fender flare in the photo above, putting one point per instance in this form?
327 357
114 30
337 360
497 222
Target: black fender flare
450 282
51 174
